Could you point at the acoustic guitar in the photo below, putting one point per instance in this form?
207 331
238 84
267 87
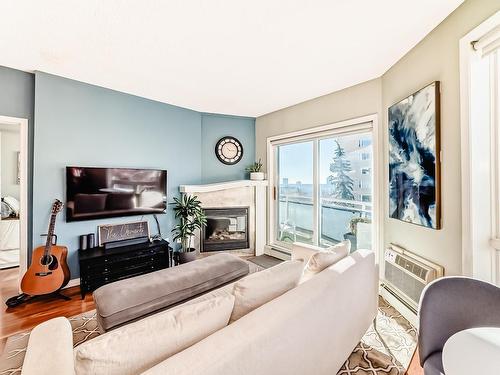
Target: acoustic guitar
49 270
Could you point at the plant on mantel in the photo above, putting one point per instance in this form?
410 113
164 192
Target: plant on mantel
255 170
191 218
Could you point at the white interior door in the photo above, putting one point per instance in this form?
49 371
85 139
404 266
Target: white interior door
480 124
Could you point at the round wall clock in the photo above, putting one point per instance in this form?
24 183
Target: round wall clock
229 150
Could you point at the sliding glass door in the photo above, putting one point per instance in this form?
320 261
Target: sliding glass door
295 193
324 189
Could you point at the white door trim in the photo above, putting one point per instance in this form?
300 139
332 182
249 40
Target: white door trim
24 213
470 258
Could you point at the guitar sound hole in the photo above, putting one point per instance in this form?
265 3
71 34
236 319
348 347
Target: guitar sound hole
50 261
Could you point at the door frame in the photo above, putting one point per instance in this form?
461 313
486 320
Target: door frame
353 124
480 245
23 187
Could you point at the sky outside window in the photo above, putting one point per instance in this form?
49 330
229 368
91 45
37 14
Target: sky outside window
296 159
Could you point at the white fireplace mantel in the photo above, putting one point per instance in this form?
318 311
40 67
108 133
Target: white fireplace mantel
220 186
221 193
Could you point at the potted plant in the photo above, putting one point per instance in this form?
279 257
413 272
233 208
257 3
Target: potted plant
353 227
255 170
191 218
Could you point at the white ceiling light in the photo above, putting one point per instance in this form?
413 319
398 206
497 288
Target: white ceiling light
223 56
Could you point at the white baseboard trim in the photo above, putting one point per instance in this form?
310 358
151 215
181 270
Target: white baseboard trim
405 311
72 283
268 250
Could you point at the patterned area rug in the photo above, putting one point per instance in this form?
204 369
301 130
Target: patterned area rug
386 350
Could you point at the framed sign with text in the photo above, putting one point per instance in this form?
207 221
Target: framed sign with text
121 232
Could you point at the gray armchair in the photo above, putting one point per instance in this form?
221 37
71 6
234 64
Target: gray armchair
450 305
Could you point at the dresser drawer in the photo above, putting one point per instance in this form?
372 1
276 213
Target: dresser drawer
105 268
116 258
99 266
93 283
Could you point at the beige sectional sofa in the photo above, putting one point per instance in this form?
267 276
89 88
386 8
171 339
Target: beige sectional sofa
311 329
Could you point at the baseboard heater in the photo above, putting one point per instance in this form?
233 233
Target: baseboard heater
396 295
406 275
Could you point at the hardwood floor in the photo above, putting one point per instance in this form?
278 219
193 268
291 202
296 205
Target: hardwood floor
28 315
414 368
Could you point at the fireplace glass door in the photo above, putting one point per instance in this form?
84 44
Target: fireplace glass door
227 229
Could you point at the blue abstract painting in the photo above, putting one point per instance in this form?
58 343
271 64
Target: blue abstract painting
413 158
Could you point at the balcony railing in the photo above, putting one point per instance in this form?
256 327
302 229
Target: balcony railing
296 218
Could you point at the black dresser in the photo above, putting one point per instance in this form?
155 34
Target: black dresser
99 266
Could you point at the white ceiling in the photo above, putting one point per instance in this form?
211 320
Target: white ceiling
241 57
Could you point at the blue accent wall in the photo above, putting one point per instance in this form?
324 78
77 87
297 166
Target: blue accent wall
85 125
17 99
16 93
215 127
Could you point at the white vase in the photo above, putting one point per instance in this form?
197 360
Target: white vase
257 176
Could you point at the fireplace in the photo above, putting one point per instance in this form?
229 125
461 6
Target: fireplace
227 229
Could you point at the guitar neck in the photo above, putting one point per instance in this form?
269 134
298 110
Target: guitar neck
50 233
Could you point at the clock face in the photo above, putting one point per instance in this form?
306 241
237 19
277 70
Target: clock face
229 150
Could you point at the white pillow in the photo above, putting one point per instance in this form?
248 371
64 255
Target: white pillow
138 346
259 288
325 258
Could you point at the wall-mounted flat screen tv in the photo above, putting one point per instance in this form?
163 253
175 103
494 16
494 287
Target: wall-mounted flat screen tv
96 193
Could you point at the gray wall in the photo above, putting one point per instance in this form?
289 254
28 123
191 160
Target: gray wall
356 101
436 57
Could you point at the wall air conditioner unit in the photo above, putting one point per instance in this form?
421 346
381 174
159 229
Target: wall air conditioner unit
407 274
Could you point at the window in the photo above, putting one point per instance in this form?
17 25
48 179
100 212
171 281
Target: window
295 193
339 186
365 184
323 190
364 143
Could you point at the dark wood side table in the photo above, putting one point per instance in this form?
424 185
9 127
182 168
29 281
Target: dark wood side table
99 266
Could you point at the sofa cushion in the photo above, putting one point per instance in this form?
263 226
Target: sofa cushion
130 299
58 334
261 287
325 258
138 346
311 329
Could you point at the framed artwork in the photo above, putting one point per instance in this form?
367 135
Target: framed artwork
414 158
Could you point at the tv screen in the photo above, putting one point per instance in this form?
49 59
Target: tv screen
96 193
